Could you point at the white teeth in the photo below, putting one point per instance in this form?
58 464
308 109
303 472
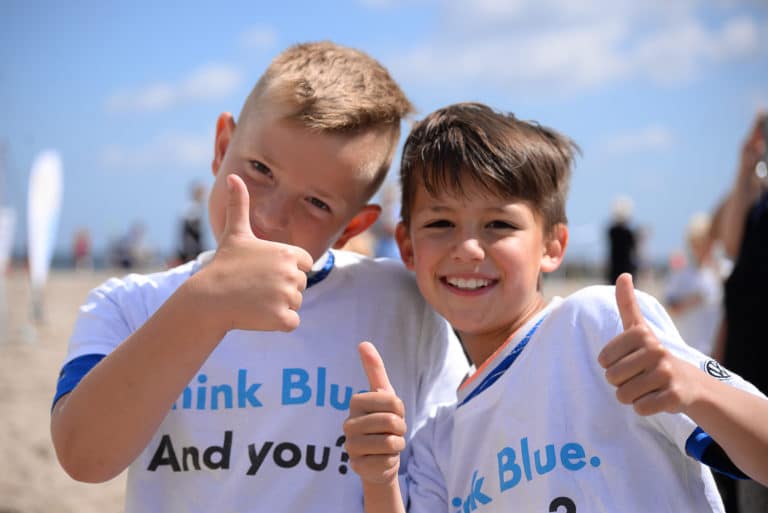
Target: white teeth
471 284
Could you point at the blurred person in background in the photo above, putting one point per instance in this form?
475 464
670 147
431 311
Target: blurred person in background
743 348
693 292
383 230
191 241
622 241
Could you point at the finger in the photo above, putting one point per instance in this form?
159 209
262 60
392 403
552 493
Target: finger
374 368
304 260
238 207
629 309
622 360
627 343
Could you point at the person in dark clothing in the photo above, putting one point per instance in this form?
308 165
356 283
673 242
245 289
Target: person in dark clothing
191 241
743 348
622 242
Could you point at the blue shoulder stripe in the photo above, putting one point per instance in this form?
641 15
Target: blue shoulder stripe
73 372
503 365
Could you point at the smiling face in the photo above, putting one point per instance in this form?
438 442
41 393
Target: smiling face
477 259
306 188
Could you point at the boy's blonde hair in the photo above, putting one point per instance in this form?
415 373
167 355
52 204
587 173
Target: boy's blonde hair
470 143
332 88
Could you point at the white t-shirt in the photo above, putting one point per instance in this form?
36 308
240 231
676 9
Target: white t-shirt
259 428
698 324
549 433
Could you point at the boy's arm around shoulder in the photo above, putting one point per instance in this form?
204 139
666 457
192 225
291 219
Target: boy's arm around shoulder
104 423
651 379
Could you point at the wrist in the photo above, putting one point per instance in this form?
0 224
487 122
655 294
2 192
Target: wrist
198 298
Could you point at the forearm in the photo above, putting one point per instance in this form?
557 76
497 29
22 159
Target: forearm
742 196
738 422
383 498
100 427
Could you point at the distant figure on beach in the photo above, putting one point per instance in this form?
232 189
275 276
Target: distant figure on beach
622 241
130 250
191 241
384 229
82 249
693 293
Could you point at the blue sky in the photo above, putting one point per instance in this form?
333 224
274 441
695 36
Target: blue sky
657 94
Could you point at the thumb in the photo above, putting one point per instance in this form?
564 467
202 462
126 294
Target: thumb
374 368
238 207
629 309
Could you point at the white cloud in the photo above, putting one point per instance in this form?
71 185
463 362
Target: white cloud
163 152
679 52
206 82
565 46
651 138
258 38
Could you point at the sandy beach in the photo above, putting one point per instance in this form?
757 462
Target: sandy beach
31 480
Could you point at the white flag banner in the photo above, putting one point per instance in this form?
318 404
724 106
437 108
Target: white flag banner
7 225
43 206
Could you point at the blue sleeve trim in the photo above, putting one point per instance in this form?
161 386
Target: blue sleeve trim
697 443
701 447
73 372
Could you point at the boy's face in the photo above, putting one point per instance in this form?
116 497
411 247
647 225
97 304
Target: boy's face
306 188
477 259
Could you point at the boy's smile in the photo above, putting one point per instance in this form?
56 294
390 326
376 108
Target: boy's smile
477 260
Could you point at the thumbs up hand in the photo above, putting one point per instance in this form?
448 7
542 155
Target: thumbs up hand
252 284
644 373
375 429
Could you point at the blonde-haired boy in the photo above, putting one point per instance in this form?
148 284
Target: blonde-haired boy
222 384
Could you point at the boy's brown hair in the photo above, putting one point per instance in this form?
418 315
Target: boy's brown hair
471 143
332 88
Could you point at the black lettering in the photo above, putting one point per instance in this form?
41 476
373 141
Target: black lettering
257 458
311 463
293 449
224 452
190 452
161 459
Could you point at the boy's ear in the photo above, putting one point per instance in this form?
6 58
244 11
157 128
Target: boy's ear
362 220
554 248
225 128
403 239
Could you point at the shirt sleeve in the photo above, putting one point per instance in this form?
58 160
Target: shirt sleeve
426 486
680 429
100 326
444 363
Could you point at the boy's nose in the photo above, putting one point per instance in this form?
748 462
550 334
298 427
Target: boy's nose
272 213
468 249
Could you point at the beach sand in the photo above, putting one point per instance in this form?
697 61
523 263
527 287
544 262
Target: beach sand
31 480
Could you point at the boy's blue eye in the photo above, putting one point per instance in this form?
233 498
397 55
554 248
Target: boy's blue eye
318 203
261 168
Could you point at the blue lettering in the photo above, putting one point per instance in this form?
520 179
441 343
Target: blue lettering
343 404
551 461
202 378
320 400
506 459
203 398
246 394
526 458
296 379
224 390
572 455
